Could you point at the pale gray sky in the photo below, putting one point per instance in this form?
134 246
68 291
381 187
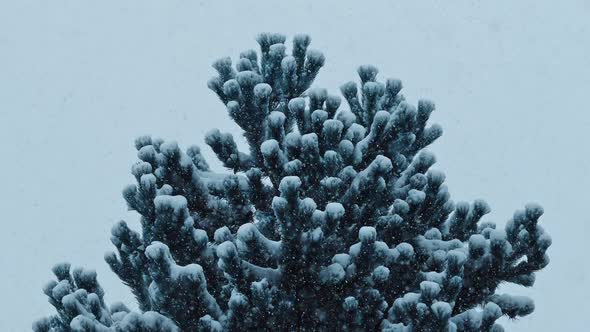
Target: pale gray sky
79 80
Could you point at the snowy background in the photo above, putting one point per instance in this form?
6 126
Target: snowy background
79 81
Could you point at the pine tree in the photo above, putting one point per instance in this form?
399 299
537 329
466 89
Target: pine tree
333 220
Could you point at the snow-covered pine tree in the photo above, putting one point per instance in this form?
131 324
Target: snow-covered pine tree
333 220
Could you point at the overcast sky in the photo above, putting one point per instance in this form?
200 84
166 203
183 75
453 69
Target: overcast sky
79 80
